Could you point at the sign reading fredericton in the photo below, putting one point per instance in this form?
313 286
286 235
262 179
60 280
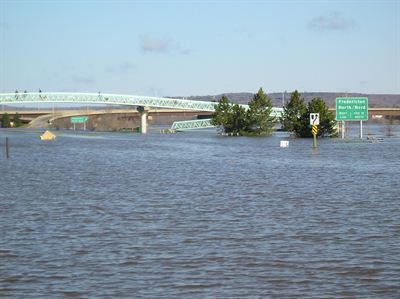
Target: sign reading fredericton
79 119
352 109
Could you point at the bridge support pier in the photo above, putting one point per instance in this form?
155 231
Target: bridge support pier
144 112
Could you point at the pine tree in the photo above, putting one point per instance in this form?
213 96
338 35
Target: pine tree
221 116
5 123
238 120
292 112
296 117
17 120
235 120
231 118
327 121
260 121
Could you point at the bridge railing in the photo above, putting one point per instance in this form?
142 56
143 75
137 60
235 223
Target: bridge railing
107 99
111 99
206 123
192 124
117 99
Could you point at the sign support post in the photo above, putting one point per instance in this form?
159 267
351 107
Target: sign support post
314 122
343 128
79 120
361 129
315 140
314 131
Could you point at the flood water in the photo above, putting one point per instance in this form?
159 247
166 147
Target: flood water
197 215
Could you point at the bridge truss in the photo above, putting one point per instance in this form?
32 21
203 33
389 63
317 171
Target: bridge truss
192 124
116 99
106 99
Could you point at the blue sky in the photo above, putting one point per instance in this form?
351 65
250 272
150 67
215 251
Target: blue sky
183 48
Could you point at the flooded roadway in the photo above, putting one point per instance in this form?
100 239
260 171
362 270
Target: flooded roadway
197 215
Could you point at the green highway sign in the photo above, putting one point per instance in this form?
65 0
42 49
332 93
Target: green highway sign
352 109
79 119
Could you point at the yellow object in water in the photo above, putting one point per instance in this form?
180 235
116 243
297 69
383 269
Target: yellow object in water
47 136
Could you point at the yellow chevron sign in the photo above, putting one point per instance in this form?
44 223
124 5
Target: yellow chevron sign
314 129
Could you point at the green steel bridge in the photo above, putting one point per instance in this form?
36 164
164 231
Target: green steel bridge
117 99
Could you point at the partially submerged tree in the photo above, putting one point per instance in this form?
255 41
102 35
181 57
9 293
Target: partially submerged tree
231 118
260 120
296 117
235 120
5 122
17 120
292 113
222 113
327 121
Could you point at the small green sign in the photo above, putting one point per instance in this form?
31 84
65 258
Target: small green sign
352 109
79 119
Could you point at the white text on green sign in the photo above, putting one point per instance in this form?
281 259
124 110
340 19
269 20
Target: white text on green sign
351 109
79 120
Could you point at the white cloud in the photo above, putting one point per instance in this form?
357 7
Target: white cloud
83 79
148 44
186 51
335 21
121 68
154 45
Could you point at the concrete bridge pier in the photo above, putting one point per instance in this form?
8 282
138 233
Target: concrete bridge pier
144 112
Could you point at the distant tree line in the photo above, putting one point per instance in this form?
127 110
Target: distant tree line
6 120
233 119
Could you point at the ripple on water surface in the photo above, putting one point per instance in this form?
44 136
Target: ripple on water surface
197 215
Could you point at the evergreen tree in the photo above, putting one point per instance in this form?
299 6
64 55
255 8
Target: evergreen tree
296 117
260 121
234 119
17 120
237 120
327 121
292 112
230 118
221 116
5 123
